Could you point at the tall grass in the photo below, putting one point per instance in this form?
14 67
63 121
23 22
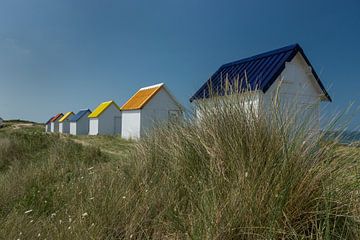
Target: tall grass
237 173
243 173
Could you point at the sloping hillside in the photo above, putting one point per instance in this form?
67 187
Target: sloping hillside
223 179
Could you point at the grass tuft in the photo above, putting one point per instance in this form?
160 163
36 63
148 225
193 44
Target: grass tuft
236 173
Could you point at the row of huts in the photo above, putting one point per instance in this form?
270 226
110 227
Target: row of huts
148 106
283 76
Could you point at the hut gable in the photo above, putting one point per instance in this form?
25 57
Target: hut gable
146 107
66 116
259 72
105 119
79 123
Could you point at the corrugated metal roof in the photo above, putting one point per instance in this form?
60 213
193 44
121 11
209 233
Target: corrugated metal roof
141 97
254 73
66 116
101 108
56 117
79 115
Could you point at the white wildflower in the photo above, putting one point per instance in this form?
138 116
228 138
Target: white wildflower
90 168
123 197
85 214
28 211
246 174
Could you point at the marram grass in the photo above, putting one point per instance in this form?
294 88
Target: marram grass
235 174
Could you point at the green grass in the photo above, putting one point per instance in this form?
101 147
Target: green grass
226 177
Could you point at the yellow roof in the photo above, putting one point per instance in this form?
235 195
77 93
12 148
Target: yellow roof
141 97
66 116
101 108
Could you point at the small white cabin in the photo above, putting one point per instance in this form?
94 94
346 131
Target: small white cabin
48 125
105 119
79 123
149 105
64 123
283 75
54 123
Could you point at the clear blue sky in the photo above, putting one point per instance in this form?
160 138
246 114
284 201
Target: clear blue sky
64 55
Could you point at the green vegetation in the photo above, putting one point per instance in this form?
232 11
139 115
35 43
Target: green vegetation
233 175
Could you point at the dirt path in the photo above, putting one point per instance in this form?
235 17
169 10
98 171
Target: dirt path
21 125
84 143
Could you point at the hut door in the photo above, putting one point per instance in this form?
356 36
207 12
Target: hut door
117 125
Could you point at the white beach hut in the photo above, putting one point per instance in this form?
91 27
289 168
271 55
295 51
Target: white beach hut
79 123
54 122
149 105
64 123
48 125
284 76
105 119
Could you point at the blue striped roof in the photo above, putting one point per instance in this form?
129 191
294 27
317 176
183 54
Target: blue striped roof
79 115
254 73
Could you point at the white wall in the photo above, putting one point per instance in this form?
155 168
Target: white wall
249 100
64 127
157 111
60 127
296 92
54 127
295 89
93 126
48 127
73 128
107 121
131 124
81 127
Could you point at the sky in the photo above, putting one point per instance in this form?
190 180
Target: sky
66 55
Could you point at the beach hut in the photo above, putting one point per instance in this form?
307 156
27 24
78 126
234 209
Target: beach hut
48 125
64 123
105 119
54 122
284 76
149 105
79 123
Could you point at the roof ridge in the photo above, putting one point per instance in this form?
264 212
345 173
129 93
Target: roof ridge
102 107
263 55
152 86
158 88
66 116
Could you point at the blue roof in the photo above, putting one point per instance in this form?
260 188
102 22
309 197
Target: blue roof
79 115
254 73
